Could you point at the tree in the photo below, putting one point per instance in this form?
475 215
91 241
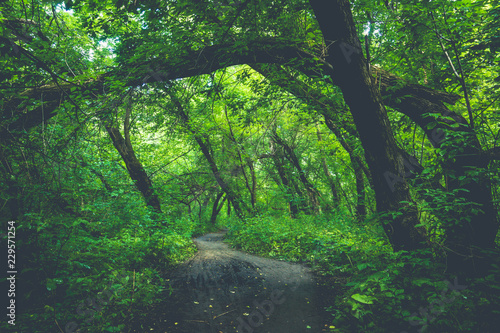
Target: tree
369 114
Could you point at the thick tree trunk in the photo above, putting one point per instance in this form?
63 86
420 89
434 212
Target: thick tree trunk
364 101
470 235
134 168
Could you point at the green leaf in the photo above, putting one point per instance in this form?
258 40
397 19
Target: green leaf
362 266
363 298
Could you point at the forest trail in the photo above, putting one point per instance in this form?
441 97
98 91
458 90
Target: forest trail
224 290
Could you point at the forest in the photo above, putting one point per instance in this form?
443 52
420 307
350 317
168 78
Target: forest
250 166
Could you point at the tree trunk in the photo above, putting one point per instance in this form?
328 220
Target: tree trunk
134 168
250 187
279 76
292 200
253 177
231 195
99 175
216 208
360 191
357 165
312 193
328 176
369 114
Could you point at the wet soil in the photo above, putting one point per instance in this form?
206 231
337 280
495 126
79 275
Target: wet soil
222 290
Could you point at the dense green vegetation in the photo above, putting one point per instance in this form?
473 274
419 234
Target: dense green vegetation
361 138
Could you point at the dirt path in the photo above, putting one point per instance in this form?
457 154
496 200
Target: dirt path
224 290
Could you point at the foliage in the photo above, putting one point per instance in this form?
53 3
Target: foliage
120 263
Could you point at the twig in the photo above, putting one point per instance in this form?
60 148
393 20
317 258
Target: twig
224 313
58 325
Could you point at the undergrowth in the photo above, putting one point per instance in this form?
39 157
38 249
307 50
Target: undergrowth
98 273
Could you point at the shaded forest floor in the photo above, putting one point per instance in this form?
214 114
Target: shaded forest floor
224 290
